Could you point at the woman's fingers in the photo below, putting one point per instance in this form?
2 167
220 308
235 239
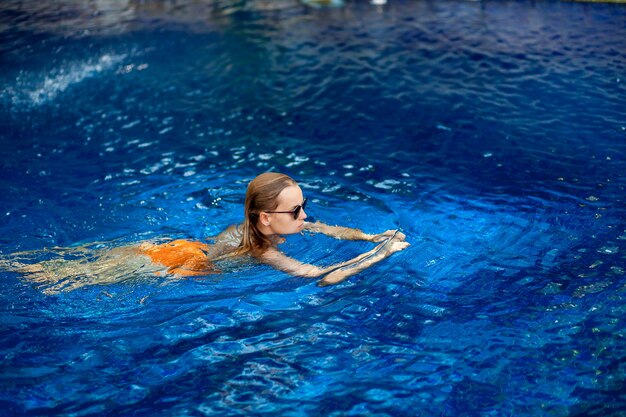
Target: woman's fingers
397 246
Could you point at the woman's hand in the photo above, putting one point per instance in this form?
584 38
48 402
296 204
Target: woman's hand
397 246
386 235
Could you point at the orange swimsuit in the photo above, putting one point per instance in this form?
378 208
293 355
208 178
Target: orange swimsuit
181 257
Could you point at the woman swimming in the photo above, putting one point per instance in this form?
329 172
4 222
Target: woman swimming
274 207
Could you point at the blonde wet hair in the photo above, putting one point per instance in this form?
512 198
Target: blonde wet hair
261 195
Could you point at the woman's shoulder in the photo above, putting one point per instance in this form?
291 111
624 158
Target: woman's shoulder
232 234
235 229
269 254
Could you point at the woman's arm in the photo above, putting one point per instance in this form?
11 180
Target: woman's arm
379 253
337 272
347 233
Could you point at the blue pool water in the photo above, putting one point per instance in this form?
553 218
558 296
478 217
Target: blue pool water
492 133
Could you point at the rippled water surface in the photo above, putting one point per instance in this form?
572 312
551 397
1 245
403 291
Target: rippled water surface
492 133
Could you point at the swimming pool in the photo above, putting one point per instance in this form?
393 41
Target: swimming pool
492 133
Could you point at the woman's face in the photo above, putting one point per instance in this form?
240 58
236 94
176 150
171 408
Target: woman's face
284 223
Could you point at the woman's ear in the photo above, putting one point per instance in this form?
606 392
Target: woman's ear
264 218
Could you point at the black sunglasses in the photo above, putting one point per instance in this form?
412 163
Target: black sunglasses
295 212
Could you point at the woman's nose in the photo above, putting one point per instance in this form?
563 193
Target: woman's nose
303 214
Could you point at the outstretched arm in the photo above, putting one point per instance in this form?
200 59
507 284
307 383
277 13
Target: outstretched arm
379 253
337 272
348 233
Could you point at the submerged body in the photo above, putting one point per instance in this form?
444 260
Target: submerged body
73 268
274 207
191 258
181 257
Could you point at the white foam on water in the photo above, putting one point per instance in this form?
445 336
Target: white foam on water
32 89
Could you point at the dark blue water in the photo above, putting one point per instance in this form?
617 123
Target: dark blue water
492 133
